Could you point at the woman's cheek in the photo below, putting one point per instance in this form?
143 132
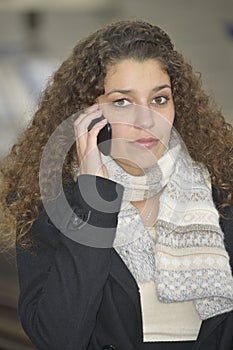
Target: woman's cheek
120 131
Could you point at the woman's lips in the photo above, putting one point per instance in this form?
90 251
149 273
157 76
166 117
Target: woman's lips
146 142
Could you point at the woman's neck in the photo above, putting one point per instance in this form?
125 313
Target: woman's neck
148 209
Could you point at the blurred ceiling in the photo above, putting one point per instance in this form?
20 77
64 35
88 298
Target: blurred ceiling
58 5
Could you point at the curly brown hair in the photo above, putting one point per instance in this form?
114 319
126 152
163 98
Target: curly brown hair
77 84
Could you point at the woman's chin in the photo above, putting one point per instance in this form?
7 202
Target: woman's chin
136 166
139 160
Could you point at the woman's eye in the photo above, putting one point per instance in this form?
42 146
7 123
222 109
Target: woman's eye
160 100
123 102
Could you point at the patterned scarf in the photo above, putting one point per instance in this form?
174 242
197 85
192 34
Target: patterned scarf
187 259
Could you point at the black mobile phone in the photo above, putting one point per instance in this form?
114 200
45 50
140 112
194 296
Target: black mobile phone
104 137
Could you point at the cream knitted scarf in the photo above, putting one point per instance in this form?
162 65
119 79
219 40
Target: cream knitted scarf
187 260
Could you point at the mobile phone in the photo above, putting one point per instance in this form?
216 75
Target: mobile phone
104 137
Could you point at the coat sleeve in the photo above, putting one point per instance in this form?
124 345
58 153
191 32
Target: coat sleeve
61 279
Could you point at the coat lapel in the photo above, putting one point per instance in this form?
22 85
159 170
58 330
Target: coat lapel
208 327
121 273
125 279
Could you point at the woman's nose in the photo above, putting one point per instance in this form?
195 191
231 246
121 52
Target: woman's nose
144 117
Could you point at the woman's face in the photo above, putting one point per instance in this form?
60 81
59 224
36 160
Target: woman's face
139 105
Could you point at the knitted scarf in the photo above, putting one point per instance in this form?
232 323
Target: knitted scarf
187 260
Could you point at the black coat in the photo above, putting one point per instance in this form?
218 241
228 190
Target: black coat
77 297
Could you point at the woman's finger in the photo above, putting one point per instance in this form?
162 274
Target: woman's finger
87 127
91 162
81 129
93 133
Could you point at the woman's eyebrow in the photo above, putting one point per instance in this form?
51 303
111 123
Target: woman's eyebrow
119 91
157 88
161 87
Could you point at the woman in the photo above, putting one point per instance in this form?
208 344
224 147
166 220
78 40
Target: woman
137 259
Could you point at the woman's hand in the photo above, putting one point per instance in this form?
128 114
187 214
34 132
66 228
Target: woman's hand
89 156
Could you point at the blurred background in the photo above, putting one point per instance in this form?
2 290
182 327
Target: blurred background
37 35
